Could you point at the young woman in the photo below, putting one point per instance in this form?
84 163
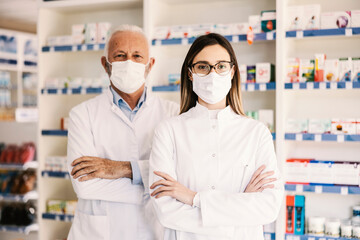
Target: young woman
203 160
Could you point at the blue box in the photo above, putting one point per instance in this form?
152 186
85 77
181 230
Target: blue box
299 228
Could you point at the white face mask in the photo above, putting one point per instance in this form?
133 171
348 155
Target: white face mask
213 87
127 76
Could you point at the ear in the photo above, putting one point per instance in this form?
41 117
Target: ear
105 65
151 63
189 75
232 72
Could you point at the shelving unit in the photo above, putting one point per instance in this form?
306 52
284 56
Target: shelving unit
322 137
72 91
348 32
343 190
7 197
309 237
322 85
54 174
19 229
58 217
28 165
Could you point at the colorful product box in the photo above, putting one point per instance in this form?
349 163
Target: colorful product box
331 70
297 171
174 79
290 212
292 70
251 74
356 69
243 73
345 69
78 29
319 67
311 16
296 125
355 18
265 72
61 207
343 126
295 18
162 32
331 20
306 70
319 126
255 23
299 215
320 172
268 20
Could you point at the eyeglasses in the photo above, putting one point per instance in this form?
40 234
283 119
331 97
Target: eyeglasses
202 68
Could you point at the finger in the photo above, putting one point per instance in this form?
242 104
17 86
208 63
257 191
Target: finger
80 166
164 175
79 160
257 173
160 189
262 176
265 187
88 177
84 171
163 194
160 182
264 182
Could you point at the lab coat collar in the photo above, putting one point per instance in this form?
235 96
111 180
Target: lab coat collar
201 111
148 99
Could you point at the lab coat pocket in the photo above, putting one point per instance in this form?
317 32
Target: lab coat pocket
89 227
240 175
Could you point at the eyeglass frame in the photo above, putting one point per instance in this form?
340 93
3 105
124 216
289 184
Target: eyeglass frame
211 67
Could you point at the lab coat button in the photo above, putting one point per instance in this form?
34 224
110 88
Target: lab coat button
214 155
213 187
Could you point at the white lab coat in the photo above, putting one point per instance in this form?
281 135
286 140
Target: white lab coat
117 207
216 158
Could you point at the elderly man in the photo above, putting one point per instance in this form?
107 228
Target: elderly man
116 125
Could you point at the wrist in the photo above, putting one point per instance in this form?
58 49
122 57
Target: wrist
124 170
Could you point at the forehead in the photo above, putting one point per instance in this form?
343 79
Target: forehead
128 42
212 54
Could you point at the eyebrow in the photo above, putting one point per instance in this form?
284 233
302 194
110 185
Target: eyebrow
216 61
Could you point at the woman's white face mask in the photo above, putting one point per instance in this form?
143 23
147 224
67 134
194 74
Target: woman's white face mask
127 76
213 87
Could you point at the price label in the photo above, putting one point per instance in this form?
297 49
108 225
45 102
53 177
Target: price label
311 238
262 87
96 47
310 85
267 236
83 48
340 138
67 176
348 32
299 137
269 36
348 85
322 238
83 91
52 49
184 41
318 189
317 138
57 217
235 38
46 174
299 34
251 87
322 85
344 190
74 48
296 86
333 85
59 91
68 91
296 237
157 42
299 188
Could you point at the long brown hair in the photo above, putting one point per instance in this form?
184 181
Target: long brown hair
188 96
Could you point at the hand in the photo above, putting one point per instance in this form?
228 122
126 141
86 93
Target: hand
172 188
88 168
258 180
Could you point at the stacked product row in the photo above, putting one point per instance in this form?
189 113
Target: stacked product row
322 69
15 182
77 82
19 214
61 207
259 73
56 164
320 126
15 154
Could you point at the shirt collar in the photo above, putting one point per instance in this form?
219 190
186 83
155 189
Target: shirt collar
203 112
118 100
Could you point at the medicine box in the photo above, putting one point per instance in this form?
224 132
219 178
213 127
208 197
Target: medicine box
346 173
265 72
345 69
294 20
268 20
103 31
355 18
356 69
331 20
320 172
255 23
297 171
358 126
251 74
194 30
90 33
292 70
299 215
162 32
311 16
223 29
239 28
290 207
174 78
243 73
319 67
331 70
61 207
306 70
296 125
319 126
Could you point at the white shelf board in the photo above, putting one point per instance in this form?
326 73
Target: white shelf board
20 229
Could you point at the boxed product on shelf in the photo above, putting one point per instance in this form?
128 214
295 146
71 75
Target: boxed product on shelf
320 172
162 32
78 33
311 16
255 23
174 78
224 29
266 116
340 19
250 74
265 72
197 29
299 215
346 173
64 123
5 81
292 70
243 73
14 154
61 207
183 31
290 203
60 40
268 20
296 125
345 66
331 70
355 18
16 182
56 164
343 126
239 28
319 67
102 31
297 170
306 70
319 125
90 33
294 19
358 126
355 69
316 226
17 214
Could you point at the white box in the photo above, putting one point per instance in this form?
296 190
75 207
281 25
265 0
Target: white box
103 31
345 69
311 16
294 20
292 70
331 20
355 70
319 126
255 23
264 72
78 39
321 172
296 125
306 70
266 116
358 126
331 70
346 173
60 40
90 33
199 29
355 18
162 32
78 29
296 172
223 29
336 126
349 126
243 73
239 28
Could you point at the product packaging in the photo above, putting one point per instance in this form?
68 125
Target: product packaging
266 116
336 126
64 123
316 226
332 228
311 16
195 30
306 70
331 20
174 78
297 171
331 70
251 74
90 33
358 126
292 70
243 73
255 23
356 69
162 32
346 173
60 40
355 18
290 211
239 28
294 18
345 66
268 20
346 230
319 67
299 215
265 72
319 126
320 172
296 125
61 207
103 31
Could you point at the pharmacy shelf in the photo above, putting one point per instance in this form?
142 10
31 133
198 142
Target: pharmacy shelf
269 236
343 190
322 85
74 48
58 217
323 32
70 91
55 174
8 197
28 165
322 137
231 38
11 62
309 237
247 87
54 132
20 229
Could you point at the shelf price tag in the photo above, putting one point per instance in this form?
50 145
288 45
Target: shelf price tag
296 86
57 217
348 85
96 47
344 190
52 49
267 236
310 85
235 38
348 32
299 137
311 238
318 189
83 91
317 137
322 238
340 138
59 91
299 34
333 85
83 47
184 41
299 188
296 237
158 42
322 85
262 87
269 36
251 87
74 48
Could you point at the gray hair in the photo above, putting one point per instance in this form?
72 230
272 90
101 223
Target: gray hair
122 28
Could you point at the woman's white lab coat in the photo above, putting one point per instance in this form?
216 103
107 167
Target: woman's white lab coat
114 209
216 158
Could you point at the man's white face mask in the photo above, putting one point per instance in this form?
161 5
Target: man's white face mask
127 76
